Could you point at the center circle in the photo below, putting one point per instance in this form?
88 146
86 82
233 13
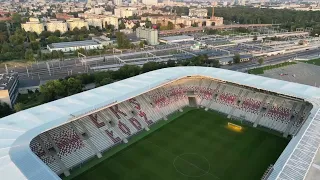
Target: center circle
191 165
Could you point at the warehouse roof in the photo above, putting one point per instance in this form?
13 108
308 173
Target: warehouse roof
73 44
177 38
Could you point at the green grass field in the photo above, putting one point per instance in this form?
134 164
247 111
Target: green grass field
314 62
262 69
196 145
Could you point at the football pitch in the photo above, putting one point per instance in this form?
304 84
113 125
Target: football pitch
196 145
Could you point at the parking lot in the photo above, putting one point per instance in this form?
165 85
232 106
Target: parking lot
302 73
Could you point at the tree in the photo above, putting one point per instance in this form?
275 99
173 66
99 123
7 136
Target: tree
122 40
211 31
76 30
32 36
29 55
136 26
149 66
83 29
86 78
301 42
127 71
57 33
39 55
148 23
52 90
109 28
260 61
212 63
194 25
171 63
45 34
105 81
35 46
170 25
99 76
18 107
142 43
18 37
16 18
236 58
61 55
255 38
53 39
5 109
122 25
5 48
3 37
73 86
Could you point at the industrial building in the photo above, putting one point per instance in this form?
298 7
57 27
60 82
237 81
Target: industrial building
151 35
74 45
9 88
176 39
228 60
105 41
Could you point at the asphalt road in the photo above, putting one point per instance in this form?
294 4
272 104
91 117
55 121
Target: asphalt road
273 60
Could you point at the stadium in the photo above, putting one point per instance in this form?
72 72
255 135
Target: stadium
172 123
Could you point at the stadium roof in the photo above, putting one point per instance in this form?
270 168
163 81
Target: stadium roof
73 44
17 161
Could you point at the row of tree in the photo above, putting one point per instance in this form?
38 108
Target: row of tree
56 89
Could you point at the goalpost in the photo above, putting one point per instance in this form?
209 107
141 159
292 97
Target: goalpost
234 126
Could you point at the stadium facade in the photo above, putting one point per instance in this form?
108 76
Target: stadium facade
18 161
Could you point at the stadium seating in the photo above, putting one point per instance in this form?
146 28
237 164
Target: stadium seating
67 146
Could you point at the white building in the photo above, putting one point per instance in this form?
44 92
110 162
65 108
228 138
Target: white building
74 45
117 2
150 2
176 39
125 12
151 35
105 41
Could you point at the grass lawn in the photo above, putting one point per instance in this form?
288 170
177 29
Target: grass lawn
314 61
30 100
262 69
196 145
